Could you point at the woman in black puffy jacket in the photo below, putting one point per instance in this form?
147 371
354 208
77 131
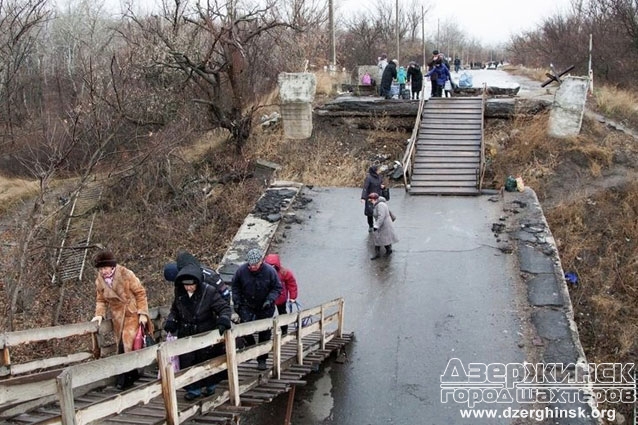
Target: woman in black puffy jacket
197 308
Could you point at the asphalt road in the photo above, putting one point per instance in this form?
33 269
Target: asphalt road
446 292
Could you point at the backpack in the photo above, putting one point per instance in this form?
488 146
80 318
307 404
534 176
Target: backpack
214 279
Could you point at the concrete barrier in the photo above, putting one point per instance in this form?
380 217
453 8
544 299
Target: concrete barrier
296 93
568 108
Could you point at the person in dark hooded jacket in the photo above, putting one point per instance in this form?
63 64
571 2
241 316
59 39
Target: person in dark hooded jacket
256 287
197 308
389 74
415 77
210 276
372 184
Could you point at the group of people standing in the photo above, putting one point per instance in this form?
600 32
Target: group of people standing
389 73
201 303
438 73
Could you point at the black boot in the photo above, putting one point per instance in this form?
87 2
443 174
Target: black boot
388 250
377 253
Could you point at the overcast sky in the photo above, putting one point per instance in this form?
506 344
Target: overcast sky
490 21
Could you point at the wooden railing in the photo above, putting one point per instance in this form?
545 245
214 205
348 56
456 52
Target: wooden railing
481 170
408 156
327 318
99 348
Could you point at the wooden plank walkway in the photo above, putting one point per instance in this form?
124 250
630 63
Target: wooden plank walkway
156 401
447 159
264 388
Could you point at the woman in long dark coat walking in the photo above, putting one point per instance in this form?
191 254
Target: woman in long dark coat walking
415 78
372 184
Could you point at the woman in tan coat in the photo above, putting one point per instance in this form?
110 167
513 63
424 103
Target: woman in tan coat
119 290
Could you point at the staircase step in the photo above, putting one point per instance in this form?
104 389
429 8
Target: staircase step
460 165
443 177
443 191
453 183
471 153
443 171
447 147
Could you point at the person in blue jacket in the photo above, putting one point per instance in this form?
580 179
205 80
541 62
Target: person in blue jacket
442 74
256 287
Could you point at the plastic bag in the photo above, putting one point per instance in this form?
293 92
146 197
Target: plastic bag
293 307
465 80
174 360
447 86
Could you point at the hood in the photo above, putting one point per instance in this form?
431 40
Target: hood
373 170
273 260
189 271
185 258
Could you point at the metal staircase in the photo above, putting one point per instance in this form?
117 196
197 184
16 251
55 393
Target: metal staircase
448 157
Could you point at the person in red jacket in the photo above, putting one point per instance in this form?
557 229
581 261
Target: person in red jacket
289 283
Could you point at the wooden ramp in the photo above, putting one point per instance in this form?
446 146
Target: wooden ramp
83 394
448 155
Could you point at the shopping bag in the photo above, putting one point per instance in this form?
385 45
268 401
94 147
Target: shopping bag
293 307
448 85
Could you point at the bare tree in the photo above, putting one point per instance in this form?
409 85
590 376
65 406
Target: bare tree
20 24
209 44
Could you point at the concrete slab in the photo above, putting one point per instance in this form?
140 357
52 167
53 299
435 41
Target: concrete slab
543 290
531 262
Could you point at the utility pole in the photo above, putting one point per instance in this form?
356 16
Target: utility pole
423 32
396 28
333 47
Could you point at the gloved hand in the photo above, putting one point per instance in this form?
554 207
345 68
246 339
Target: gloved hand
266 305
97 319
143 319
170 326
223 324
221 327
234 317
375 229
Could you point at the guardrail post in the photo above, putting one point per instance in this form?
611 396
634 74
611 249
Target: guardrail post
276 349
299 340
231 364
6 358
65 394
321 329
169 392
341 311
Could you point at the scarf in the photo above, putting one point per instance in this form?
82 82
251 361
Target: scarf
109 279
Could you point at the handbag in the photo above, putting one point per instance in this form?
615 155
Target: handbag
385 192
148 338
392 216
138 342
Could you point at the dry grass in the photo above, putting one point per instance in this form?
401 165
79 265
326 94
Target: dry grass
617 104
525 150
597 237
537 74
13 191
